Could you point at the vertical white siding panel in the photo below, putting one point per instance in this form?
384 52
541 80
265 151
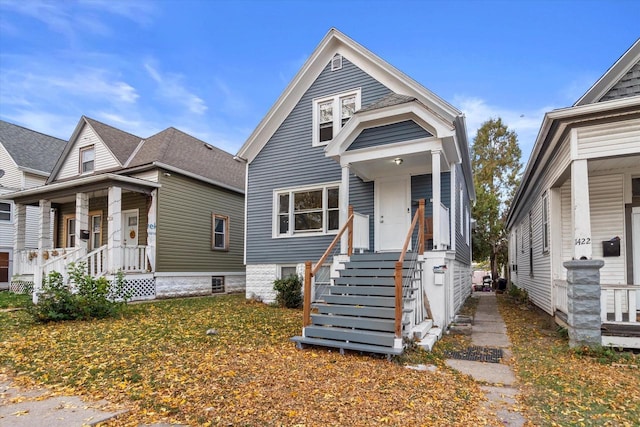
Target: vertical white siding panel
12 176
567 239
31 181
607 222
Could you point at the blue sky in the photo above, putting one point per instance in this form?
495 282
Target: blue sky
214 68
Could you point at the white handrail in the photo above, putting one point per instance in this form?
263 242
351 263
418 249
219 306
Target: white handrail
360 231
622 300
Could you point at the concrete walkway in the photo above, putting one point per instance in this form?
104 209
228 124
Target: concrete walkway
498 379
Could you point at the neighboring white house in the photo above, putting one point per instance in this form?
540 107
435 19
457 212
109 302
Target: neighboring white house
580 199
26 160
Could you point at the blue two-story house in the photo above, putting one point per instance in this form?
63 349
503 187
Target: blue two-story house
352 151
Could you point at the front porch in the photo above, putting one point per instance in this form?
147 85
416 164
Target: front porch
619 313
106 222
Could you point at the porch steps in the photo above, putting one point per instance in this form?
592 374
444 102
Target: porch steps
358 313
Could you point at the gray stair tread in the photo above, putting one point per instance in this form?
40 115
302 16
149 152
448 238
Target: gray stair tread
367 348
379 256
384 325
371 272
363 290
367 281
388 301
373 264
351 335
352 310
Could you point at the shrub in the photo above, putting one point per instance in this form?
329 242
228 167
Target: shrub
288 291
90 297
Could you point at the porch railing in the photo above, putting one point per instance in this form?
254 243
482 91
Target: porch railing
97 262
445 234
618 303
134 259
561 299
311 270
418 219
58 262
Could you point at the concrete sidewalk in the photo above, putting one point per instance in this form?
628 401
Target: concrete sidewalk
499 382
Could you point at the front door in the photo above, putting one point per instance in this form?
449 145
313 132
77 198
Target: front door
635 242
4 270
393 212
130 228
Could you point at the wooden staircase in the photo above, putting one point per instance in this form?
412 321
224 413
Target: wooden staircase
359 311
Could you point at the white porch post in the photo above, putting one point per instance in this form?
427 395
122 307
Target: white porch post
114 230
582 244
20 229
82 219
344 207
45 242
435 197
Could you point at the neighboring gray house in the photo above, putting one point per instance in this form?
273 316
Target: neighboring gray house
167 210
26 159
350 130
580 199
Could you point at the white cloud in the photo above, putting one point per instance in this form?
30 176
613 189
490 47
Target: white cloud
58 125
170 86
525 123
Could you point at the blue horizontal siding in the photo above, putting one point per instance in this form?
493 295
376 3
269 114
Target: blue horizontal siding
289 160
397 132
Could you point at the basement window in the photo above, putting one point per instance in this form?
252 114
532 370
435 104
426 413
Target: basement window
217 284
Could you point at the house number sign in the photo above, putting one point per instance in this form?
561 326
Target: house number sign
583 241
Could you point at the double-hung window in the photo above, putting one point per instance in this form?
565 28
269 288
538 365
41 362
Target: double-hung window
307 210
5 212
545 223
331 113
220 235
87 159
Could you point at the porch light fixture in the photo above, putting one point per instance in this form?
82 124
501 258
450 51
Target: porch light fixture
398 161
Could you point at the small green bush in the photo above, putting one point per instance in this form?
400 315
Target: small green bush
520 296
288 291
92 297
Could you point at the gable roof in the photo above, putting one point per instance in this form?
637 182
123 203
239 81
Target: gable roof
614 75
120 143
336 42
29 149
176 149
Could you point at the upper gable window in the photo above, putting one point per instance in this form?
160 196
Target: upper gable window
5 212
330 114
87 159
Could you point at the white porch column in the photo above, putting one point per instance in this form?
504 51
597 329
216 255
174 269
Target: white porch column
82 219
344 207
20 227
435 197
45 242
580 210
114 230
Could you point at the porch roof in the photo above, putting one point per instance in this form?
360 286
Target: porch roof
80 185
372 162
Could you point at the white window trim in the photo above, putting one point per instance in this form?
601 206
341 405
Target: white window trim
11 209
337 121
276 219
83 150
545 223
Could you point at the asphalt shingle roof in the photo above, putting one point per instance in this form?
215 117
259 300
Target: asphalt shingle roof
121 143
388 101
30 149
183 151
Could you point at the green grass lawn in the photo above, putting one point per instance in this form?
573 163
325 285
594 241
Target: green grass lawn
11 300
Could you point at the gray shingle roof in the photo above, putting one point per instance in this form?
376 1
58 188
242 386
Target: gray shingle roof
388 101
180 150
30 149
120 143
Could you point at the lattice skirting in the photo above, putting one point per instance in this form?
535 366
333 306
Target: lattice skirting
21 286
143 288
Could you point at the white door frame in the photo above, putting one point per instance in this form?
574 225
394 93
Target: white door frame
125 225
405 181
635 248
